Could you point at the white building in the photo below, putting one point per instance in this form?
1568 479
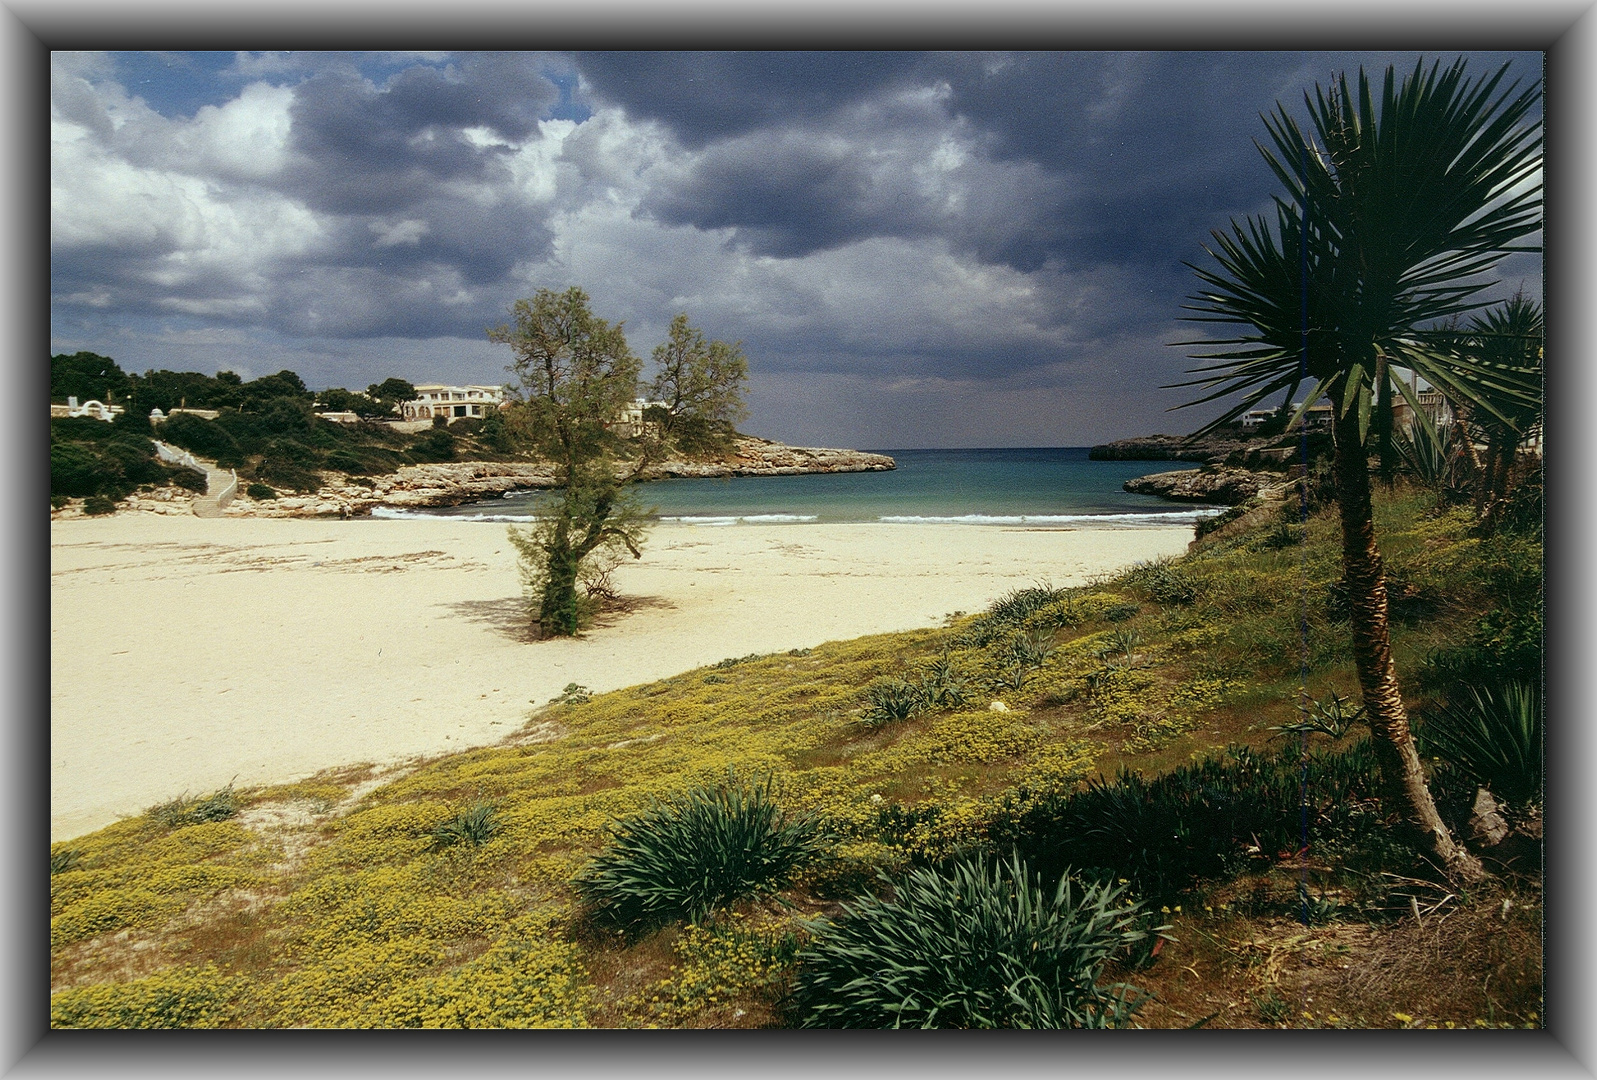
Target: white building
452 402
629 422
98 410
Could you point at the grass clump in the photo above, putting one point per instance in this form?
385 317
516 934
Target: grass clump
96 505
979 945
181 811
891 700
702 849
473 827
64 859
260 491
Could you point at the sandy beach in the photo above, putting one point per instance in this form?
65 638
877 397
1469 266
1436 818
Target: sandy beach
185 653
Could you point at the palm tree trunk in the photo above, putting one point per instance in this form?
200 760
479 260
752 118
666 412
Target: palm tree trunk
1383 420
1372 652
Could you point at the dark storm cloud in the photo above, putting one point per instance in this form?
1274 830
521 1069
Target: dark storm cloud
364 149
1156 149
706 96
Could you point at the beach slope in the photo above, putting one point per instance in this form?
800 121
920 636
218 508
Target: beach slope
187 653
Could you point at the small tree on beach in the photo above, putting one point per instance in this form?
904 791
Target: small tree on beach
576 373
701 385
1392 217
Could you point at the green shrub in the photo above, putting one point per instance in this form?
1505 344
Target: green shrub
99 504
189 479
59 501
260 491
435 445
64 859
1122 612
979 945
1164 582
705 848
218 806
474 826
1494 737
1012 609
1204 820
891 700
204 437
1208 525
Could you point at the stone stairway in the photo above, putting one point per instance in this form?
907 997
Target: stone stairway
220 487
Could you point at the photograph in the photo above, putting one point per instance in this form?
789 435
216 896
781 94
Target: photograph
797 539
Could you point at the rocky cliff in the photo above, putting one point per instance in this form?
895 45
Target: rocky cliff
1210 484
453 483
1210 449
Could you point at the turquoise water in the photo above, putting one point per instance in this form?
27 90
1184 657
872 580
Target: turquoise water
1044 488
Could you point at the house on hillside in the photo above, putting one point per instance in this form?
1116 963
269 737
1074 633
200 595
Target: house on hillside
97 410
452 402
629 422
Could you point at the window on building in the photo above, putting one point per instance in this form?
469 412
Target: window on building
460 410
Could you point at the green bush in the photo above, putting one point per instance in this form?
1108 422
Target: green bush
218 806
204 437
1204 820
703 849
189 479
891 700
99 504
59 501
1494 737
1164 582
979 945
474 826
435 445
260 491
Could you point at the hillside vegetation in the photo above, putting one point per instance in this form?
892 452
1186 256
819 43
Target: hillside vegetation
797 838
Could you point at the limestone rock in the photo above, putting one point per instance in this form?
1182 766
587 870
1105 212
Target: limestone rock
1210 484
1486 826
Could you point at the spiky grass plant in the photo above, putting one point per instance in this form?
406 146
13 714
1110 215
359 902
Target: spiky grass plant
1493 736
980 945
218 806
1163 582
892 700
474 827
64 859
705 848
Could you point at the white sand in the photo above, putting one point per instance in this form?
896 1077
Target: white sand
185 653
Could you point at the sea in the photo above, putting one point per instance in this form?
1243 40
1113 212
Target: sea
1055 487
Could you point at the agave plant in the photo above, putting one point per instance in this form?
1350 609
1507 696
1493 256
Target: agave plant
1391 218
707 847
474 826
980 945
892 700
1333 717
1494 736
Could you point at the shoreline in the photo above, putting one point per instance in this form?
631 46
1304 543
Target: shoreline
187 653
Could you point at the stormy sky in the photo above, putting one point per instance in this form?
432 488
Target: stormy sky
916 250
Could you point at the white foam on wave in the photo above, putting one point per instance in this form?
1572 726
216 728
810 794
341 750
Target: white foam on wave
422 515
1173 517
748 519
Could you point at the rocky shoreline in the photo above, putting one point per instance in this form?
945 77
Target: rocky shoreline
454 483
1210 484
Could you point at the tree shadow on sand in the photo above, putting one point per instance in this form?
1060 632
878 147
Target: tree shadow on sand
511 618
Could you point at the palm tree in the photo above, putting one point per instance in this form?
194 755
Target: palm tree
1508 338
1390 221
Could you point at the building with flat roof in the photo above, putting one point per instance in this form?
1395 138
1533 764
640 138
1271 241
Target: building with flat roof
452 402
